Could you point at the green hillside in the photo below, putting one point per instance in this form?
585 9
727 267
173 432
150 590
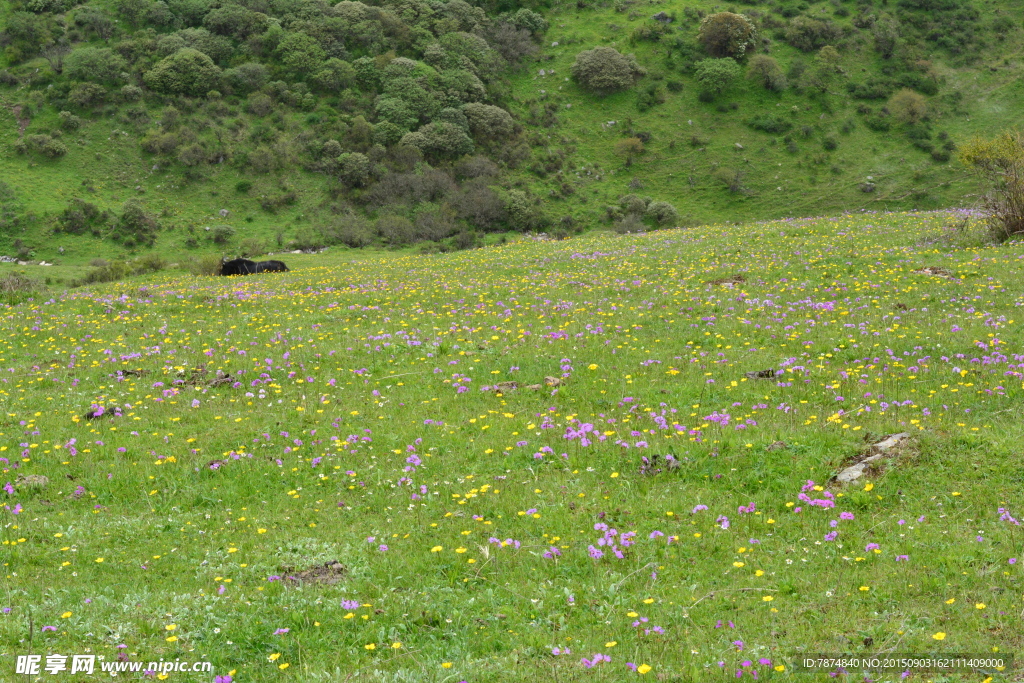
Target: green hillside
195 127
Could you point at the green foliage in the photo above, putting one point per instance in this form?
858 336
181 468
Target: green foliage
96 64
807 34
489 125
134 227
603 70
775 125
301 54
767 73
81 217
649 96
440 140
717 76
45 145
186 72
726 34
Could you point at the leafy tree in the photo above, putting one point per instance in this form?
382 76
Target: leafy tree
808 34
662 213
604 70
86 95
236 21
354 168
135 226
25 34
55 54
396 112
94 64
440 140
886 32
715 76
529 20
726 34
301 54
247 78
628 148
387 134
132 10
1000 162
767 73
335 75
489 125
217 48
95 20
186 72
80 216
908 106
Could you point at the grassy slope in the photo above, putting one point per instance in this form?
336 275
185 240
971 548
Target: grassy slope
906 177
188 535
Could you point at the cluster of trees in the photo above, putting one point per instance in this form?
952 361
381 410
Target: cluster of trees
387 86
133 227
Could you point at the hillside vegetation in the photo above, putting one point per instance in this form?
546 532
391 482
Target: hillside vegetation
267 124
599 459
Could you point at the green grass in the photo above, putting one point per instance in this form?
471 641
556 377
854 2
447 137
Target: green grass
194 495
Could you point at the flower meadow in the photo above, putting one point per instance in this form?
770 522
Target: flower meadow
600 459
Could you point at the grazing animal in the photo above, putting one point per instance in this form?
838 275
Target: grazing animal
241 266
271 267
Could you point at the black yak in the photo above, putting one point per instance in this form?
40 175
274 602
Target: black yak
241 266
271 267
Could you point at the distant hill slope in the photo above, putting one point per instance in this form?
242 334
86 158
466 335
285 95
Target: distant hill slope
245 127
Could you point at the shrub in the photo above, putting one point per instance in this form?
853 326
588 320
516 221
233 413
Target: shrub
770 124
247 78
395 230
727 35
604 70
186 72
301 54
629 224
85 95
440 140
80 216
252 246
716 76
94 64
150 263
1000 162
351 230
662 213
649 97
830 143
222 234
479 205
489 124
908 106
308 238
808 34
15 288
628 148
354 169
134 226
206 264
43 144
767 73
112 272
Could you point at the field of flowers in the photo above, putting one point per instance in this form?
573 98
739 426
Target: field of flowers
587 460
